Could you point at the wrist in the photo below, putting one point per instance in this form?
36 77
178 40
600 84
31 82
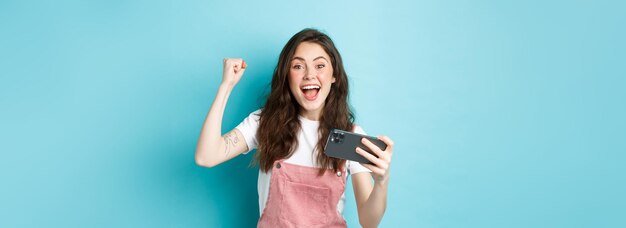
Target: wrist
227 85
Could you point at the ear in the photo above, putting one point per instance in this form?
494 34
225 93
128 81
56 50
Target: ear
334 79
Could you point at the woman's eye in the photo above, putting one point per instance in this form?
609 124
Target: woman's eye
297 67
320 66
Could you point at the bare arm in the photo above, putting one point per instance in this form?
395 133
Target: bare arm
212 148
371 198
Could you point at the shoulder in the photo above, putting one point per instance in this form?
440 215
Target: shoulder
256 113
358 129
251 122
355 167
255 116
248 128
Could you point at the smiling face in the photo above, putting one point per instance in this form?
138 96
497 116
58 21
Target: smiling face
310 78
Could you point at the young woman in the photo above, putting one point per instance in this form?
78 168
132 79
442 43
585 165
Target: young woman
299 186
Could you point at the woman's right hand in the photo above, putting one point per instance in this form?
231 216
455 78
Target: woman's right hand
233 70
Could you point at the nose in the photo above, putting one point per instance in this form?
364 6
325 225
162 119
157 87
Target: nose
309 75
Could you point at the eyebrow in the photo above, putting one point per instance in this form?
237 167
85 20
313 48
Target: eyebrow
320 57
302 59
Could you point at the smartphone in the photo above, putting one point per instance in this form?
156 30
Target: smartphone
342 144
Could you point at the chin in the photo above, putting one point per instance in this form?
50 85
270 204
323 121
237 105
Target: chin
311 107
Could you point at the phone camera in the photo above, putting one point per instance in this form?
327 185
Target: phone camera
337 137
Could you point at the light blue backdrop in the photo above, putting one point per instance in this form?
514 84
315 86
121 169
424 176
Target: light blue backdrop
504 114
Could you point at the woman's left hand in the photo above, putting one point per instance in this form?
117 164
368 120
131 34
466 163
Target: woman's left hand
380 166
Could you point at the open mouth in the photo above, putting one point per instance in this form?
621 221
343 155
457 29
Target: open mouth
310 91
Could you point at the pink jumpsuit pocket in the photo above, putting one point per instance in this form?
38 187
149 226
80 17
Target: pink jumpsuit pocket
305 205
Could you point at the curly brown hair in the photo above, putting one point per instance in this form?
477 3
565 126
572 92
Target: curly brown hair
279 124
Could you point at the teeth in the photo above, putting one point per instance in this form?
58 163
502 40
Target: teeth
311 87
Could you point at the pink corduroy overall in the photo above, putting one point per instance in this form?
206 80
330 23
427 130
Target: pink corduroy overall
298 197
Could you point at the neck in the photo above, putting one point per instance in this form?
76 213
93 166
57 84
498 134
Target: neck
311 115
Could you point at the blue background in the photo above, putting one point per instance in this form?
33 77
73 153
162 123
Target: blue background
505 114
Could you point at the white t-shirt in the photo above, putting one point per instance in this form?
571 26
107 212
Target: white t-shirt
304 156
